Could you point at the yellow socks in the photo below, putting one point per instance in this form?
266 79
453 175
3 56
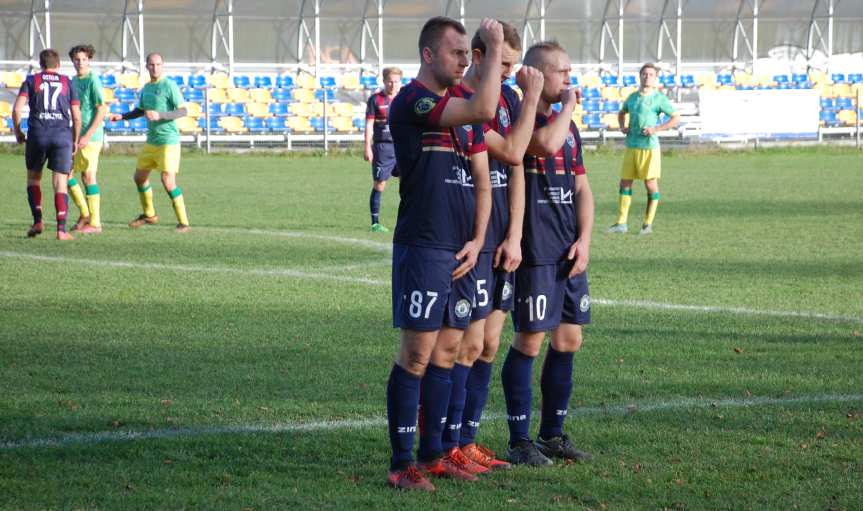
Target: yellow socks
179 206
145 193
652 204
78 197
93 202
624 202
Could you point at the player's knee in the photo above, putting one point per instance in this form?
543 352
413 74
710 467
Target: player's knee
469 352
491 344
568 340
414 362
528 343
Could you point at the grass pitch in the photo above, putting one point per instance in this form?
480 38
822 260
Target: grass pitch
244 365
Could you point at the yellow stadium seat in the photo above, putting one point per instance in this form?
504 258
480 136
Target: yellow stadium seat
344 124
706 78
343 109
194 110
610 120
304 95
842 90
857 88
591 79
847 117
626 91
217 96
302 109
297 123
232 124
306 81
764 80
108 95
5 109
220 81
349 81
130 81
825 90
612 93
12 79
818 77
236 95
261 96
188 125
743 78
258 110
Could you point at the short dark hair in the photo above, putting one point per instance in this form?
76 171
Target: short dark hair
649 65
82 48
535 53
147 60
434 29
49 59
510 37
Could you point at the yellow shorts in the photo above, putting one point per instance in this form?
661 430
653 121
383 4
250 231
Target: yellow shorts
644 164
87 159
164 158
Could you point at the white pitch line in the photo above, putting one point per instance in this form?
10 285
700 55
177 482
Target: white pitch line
291 273
377 422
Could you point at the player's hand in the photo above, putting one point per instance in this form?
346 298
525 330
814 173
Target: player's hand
20 136
624 130
115 117
467 256
579 254
491 32
83 141
530 79
507 257
152 115
368 155
570 97
648 131
75 148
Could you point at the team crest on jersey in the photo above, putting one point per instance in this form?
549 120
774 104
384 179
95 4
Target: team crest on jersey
570 140
424 106
584 304
507 291
462 308
503 116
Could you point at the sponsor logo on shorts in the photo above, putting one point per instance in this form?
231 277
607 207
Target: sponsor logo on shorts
507 291
584 304
424 106
462 308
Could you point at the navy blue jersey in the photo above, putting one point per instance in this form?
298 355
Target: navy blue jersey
508 109
550 224
377 108
436 188
50 96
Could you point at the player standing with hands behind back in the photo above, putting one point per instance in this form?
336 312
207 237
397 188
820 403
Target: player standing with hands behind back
379 143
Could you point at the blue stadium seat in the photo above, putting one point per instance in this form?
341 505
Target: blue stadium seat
282 94
263 82
630 81
687 81
838 77
369 82
196 95
786 86
255 124
327 81
119 108
745 87
10 124
780 79
276 124
360 123
198 81
331 95
591 93
855 78
138 125
285 82
829 117
179 80
214 125
611 107
827 104
25 124
844 104
592 105
280 109
609 80
799 77
125 95
573 80
117 126
108 80
318 124
216 110
242 82
593 121
725 79
668 80
235 109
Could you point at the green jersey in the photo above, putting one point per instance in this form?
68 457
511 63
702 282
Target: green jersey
161 96
89 90
644 110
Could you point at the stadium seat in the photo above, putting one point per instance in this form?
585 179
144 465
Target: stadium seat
216 110
237 95
590 79
610 121
138 125
118 108
837 77
130 81
343 109
194 109
255 124
220 81
593 121
261 96
285 82
574 80
108 80
215 127
630 81
179 80
282 94
280 109
217 95
301 109
117 126
687 81
191 94
611 107
842 90
360 123
242 81
828 117
609 80
406 80
4 127
855 78
331 95
327 81
303 95
592 105
232 124
235 109
198 81
799 77
125 95
306 81
188 125
5 109
298 123
667 80
344 125
612 93
847 117
318 124
263 82
259 110
108 95
843 103
276 124
349 82
369 82
725 79
591 93
780 79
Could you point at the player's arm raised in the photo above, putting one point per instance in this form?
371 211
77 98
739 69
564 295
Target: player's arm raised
511 149
508 253
547 140
17 115
482 106
482 193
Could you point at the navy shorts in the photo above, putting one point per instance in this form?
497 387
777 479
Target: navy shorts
545 297
425 297
384 161
494 288
56 150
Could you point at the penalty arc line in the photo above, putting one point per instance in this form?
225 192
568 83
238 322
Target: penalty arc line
292 273
73 439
